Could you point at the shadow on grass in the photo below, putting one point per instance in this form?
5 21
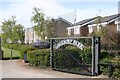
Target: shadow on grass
12 58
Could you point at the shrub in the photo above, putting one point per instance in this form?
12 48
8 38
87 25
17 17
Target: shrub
103 55
106 58
86 55
39 58
24 49
4 45
12 46
116 73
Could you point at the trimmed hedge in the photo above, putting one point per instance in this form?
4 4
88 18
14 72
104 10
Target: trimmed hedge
12 46
39 58
22 48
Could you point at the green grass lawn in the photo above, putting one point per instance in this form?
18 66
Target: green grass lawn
15 54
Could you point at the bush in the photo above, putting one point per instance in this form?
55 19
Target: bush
22 48
39 58
86 56
12 46
116 73
106 58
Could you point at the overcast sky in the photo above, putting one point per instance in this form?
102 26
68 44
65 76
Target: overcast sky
22 9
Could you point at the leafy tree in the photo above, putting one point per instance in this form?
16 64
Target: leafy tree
7 26
18 33
50 28
12 31
39 23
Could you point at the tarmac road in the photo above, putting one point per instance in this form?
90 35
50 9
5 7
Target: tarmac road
19 69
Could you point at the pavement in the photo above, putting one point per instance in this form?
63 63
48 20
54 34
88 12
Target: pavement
19 69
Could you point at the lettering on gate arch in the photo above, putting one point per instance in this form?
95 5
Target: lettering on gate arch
69 41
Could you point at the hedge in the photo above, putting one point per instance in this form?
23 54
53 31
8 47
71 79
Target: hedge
39 58
12 46
22 48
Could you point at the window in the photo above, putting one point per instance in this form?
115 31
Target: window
90 29
118 27
99 27
69 31
77 30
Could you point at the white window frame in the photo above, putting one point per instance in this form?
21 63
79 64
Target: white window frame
69 31
90 29
77 30
118 27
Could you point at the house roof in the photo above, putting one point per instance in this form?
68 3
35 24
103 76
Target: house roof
107 18
60 18
86 21
93 20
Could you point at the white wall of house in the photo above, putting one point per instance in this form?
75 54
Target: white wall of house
69 31
75 28
30 36
118 25
90 29
103 25
97 25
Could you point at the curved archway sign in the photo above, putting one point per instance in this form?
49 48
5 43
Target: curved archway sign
71 42
82 59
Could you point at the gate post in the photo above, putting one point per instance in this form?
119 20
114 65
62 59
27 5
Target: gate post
51 53
97 52
1 52
95 55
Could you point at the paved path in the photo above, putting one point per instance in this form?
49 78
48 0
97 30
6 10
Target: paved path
19 69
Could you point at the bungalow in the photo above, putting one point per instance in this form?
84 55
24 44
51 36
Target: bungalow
87 26
80 28
112 22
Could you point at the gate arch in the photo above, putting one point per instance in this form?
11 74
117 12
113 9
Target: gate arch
75 55
71 42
